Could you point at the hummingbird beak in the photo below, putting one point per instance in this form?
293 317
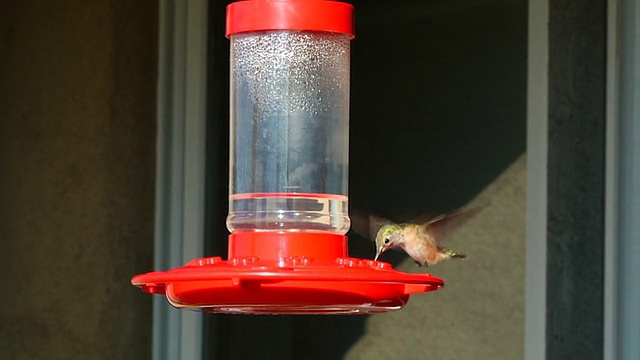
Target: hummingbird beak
381 249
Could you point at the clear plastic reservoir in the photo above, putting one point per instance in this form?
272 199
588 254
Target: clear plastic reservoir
289 132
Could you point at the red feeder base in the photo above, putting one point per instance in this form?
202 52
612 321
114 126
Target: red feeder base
287 273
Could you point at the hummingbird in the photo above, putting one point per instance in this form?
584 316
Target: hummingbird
419 239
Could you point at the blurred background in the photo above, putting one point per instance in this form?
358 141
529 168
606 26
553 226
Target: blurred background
438 121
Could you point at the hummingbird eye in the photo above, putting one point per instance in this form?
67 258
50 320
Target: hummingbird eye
386 240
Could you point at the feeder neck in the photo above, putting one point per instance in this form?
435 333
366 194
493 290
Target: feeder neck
276 245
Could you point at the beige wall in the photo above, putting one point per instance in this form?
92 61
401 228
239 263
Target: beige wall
479 314
77 160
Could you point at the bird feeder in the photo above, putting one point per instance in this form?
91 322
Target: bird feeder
288 199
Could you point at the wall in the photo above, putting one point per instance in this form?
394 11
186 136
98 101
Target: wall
479 314
77 169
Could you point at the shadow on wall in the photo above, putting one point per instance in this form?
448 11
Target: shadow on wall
437 113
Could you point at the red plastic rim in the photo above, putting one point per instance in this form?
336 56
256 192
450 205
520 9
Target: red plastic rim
285 283
310 15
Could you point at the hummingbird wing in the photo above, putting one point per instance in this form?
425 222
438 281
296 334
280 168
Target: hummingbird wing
441 226
424 218
367 225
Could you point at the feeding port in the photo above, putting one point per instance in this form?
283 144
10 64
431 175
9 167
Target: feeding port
288 190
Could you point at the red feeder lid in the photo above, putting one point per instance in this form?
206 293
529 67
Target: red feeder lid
310 15
287 273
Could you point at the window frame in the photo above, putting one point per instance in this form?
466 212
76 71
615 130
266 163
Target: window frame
622 290
180 167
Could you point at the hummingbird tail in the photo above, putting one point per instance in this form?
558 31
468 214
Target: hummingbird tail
459 256
454 254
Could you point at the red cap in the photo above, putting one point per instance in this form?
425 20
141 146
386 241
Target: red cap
311 15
